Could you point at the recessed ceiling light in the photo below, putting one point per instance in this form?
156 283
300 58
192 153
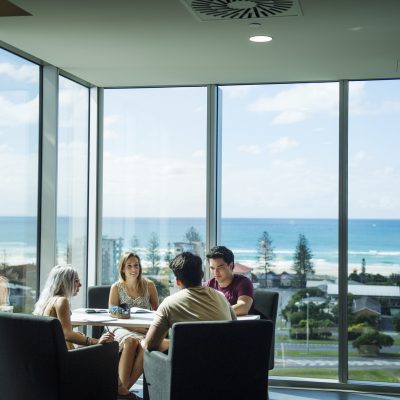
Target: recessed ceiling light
260 39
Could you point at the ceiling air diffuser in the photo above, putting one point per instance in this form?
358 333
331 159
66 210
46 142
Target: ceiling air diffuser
206 10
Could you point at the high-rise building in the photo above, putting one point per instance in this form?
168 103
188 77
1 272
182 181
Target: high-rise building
111 252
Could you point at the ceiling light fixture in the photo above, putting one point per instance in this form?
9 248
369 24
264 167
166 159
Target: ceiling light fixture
260 39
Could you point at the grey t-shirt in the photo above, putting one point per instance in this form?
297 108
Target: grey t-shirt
193 304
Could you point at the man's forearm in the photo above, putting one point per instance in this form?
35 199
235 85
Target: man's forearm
153 339
243 305
241 309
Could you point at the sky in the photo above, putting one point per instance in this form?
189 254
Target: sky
279 148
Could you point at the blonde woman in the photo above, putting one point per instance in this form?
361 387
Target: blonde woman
135 291
62 284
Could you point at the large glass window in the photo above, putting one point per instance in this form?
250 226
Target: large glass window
154 184
72 176
374 231
279 211
19 128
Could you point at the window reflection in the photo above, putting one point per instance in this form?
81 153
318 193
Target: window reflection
154 178
279 212
19 127
374 231
72 176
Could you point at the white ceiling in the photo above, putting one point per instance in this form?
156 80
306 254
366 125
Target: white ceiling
160 42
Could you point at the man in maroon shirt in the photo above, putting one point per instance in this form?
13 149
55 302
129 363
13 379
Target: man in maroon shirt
237 289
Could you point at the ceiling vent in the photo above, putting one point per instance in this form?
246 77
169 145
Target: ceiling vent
207 10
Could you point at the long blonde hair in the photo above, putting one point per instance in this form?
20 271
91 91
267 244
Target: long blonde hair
141 283
60 282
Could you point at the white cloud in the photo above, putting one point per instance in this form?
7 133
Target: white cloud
25 73
158 186
199 154
385 204
299 102
281 145
385 171
360 103
290 165
236 91
358 158
18 176
73 107
289 117
12 114
72 161
253 149
4 148
282 188
110 131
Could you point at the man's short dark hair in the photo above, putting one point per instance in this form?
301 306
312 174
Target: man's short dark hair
221 252
188 268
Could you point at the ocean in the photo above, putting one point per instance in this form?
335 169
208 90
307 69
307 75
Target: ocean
377 241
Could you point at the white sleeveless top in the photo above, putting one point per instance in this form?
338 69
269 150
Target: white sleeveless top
141 301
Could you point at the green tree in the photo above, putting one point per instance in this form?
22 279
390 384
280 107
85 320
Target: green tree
375 337
354 276
297 304
394 279
303 266
153 253
162 289
169 254
396 322
192 235
4 263
266 253
135 244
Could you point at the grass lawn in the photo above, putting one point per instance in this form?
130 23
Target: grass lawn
285 339
374 375
302 353
312 353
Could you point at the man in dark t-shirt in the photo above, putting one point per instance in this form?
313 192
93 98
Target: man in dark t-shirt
237 289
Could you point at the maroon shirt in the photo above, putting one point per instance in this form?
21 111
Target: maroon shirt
240 286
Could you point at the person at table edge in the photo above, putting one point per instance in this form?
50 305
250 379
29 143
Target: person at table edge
237 289
193 302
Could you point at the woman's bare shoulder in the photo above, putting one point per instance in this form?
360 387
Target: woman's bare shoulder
61 302
149 283
114 285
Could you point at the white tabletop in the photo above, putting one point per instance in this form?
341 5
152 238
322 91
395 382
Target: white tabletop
140 320
80 317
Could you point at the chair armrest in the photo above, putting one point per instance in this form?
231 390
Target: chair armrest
157 371
92 372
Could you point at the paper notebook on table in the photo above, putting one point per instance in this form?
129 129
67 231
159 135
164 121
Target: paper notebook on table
92 318
138 310
142 313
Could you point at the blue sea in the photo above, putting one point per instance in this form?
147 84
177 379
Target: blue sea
377 241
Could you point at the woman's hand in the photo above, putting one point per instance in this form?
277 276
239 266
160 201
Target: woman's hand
106 337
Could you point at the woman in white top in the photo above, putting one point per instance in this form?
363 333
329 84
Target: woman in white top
135 291
54 301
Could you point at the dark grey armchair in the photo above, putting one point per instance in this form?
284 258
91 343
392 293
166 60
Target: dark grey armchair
266 305
36 365
98 298
217 360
